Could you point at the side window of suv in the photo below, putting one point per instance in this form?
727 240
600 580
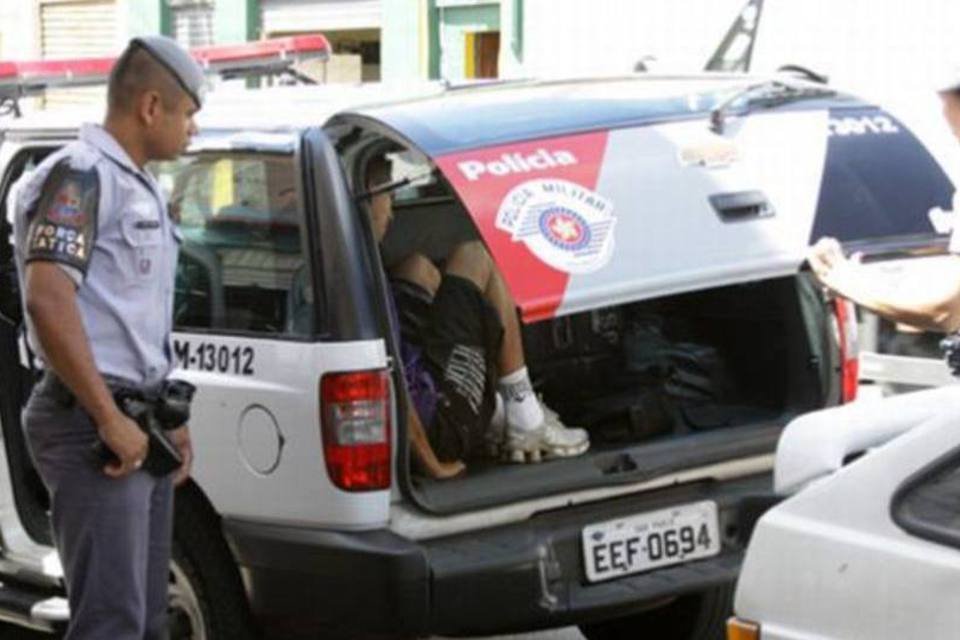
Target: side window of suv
242 267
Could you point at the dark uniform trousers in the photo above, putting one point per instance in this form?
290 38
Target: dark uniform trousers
113 535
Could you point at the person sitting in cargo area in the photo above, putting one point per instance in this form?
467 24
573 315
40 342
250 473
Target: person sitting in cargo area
463 357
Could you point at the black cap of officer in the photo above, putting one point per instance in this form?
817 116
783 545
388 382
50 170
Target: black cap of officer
181 65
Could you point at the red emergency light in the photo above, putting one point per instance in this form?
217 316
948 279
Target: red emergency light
277 48
30 71
250 58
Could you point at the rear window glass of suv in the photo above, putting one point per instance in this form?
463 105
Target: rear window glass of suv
242 266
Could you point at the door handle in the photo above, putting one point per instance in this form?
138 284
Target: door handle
742 205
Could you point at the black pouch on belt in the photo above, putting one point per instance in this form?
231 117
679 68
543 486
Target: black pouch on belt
173 405
162 455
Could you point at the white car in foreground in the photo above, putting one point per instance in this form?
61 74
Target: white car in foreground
869 549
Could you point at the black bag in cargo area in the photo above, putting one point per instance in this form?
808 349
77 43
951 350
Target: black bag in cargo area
665 387
693 379
577 361
573 348
633 413
625 381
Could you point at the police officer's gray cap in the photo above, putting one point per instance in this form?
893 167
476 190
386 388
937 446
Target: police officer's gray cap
177 61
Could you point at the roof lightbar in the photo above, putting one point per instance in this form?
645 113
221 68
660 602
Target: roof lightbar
264 57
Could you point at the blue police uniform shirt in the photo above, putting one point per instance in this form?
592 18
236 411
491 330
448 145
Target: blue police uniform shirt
89 209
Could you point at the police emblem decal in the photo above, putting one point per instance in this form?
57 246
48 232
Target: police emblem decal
565 229
567 226
66 206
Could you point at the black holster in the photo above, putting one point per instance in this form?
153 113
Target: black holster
951 352
155 415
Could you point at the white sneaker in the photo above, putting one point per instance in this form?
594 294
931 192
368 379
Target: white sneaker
580 436
552 439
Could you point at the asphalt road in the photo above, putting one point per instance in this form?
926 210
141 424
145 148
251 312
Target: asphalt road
9 632
568 633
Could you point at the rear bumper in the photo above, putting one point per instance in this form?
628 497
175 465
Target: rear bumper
523 576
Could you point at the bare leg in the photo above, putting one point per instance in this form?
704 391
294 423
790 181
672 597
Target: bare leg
471 261
418 269
511 357
530 432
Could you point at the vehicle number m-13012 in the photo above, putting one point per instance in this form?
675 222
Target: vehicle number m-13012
209 356
650 540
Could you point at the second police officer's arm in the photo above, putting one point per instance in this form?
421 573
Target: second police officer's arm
60 238
927 299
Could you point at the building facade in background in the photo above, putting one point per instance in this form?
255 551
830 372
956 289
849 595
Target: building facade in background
395 40
464 39
352 27
75 28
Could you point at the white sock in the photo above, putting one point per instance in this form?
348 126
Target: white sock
521 406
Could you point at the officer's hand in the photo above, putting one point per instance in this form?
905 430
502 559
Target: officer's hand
832 268
181 440
127 441
446 470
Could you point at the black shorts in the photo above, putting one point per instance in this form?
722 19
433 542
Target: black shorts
460 334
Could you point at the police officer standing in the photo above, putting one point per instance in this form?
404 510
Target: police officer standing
96 252
922 302
916 300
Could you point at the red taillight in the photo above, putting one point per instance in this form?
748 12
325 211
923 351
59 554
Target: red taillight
846 315
355 416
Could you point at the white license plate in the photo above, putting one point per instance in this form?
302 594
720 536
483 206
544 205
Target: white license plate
650 540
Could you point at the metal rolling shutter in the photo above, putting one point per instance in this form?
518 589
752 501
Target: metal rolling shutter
193 23
73 30
298 16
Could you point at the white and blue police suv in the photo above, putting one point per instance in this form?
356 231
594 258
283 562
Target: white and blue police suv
651 231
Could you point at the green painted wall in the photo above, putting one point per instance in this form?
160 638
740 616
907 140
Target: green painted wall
512 18
148 17
236 21
484 15
454 22
233 20
516 30
400 40
406 23
433 43
410 40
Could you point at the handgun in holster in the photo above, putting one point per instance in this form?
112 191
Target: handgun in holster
951 351
154 417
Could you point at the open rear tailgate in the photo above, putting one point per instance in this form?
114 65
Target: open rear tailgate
610 216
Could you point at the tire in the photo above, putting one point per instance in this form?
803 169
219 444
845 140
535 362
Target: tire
700 616
207 599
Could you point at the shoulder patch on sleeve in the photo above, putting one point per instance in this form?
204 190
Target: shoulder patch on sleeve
62 227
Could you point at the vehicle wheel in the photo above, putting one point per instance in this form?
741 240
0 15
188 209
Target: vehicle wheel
207 600
700 616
